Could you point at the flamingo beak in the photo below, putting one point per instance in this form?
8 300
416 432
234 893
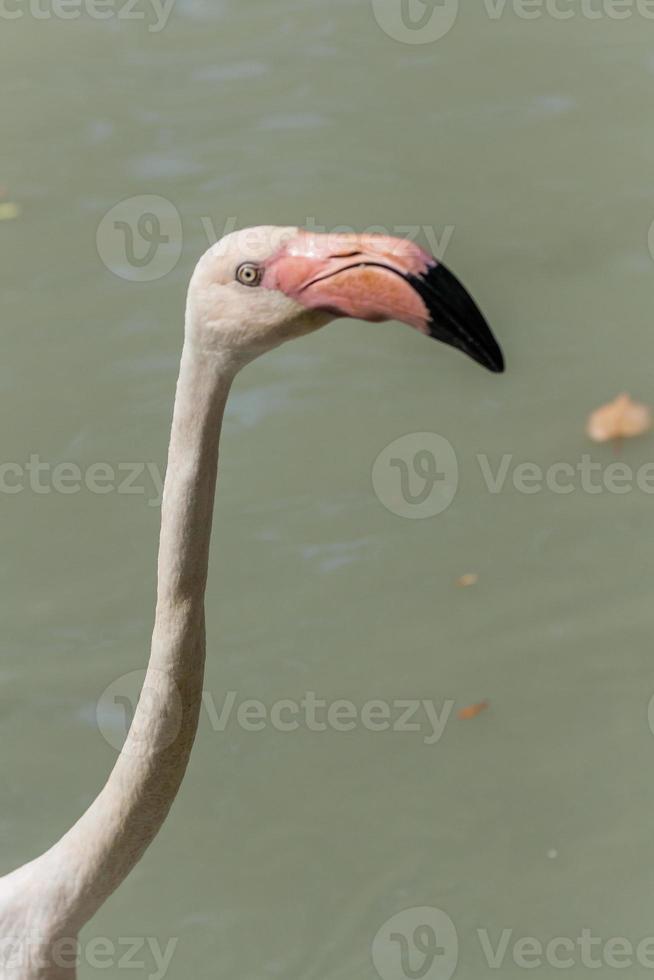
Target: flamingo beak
375 278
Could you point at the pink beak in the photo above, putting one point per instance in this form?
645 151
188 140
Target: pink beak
375 277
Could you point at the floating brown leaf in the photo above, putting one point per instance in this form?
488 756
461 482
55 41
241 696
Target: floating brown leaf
472 710
471 578
620 419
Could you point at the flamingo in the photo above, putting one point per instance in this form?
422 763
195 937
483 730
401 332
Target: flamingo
249 293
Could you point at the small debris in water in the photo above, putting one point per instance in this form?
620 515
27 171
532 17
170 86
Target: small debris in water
465 714
471 578
552 854
622 418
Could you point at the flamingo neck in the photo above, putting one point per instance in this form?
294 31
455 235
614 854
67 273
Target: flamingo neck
94 857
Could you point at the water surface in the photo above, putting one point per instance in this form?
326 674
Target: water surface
524 143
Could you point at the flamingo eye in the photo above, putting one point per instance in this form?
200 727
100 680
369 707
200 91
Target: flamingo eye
249 274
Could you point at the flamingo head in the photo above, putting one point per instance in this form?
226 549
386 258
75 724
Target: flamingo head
259 287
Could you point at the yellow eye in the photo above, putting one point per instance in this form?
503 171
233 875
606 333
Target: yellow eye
249 274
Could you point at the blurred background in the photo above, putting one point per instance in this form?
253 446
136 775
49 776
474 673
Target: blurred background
523 149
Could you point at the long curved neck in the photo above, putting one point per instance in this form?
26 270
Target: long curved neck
92 859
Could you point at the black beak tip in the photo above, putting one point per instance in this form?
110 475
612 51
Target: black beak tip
455 318
495 363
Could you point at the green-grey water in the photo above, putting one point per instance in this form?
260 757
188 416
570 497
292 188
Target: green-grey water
525 145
